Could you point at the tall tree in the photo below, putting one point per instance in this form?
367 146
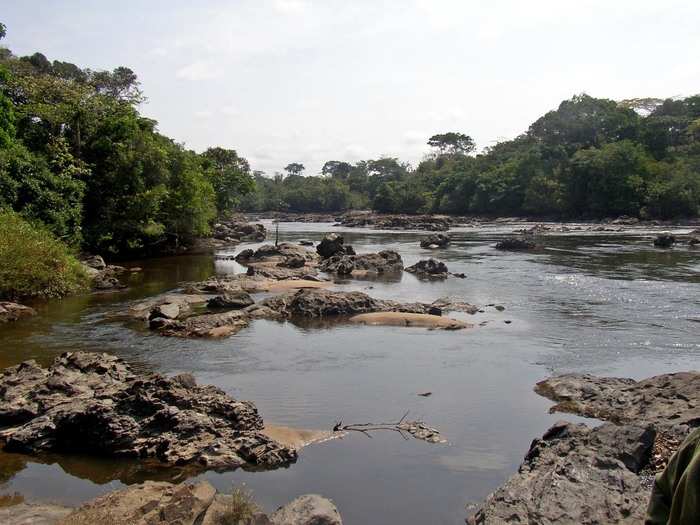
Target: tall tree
294 168
452 143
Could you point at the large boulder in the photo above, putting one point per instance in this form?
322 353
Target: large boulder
231 300
310 509
10 311
429 268
331 244
97 404
437 240
575 474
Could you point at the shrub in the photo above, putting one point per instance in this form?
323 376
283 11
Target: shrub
33 263
239 509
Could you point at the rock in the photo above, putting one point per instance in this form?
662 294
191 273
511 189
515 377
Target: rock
665 240
434 241
332 244
409 320
574 474
516 244
10 311
396 222
245 255
693 241
386 261
664 401
150 503
234 231
305 242
450 305
626 220
94 261
232 300
294 261
143 310
33 513
429 268
97 404
165 311
307 510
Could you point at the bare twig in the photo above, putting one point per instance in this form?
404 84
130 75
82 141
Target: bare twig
416 429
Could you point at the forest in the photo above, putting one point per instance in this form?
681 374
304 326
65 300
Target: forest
79 160
588 159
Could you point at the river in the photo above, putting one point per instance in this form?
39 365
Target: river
604 303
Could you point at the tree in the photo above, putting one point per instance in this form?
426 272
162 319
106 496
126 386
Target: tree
336 169
294 168
3 30
229 175
452 143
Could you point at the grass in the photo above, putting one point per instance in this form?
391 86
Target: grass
239 509
33 263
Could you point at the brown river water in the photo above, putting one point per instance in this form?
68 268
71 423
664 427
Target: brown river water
604 303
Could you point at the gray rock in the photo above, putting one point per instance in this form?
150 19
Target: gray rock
429 268
165 311
576 475
94 261
386 261
307 510
232 300
332 244
96 404
437 240
516 244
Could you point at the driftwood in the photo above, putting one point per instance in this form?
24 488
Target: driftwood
406 428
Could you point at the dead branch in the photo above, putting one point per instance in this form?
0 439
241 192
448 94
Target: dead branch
415 429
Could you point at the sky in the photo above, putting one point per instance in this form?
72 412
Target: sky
308 81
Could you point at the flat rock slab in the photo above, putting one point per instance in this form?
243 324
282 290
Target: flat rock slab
409 320
151 503
665 401
96 404
33 514
310 509
576 475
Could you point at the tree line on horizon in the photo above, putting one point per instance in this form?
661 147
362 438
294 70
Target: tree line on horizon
77 158
590 158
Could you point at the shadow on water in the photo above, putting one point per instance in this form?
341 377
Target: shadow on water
606 304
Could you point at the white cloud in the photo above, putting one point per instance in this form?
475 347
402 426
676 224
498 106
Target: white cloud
204 114
291 6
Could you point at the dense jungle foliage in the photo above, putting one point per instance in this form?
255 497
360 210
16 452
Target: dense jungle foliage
78 158
589 158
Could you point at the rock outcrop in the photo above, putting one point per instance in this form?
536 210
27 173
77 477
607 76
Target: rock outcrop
575 474
430 268
386 261
162 503
397 222
284 261
10 311
516 244
437 240
97 404
235 231
333 244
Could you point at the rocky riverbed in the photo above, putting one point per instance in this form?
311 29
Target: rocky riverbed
578 474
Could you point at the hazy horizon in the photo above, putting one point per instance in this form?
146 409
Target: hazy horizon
307 81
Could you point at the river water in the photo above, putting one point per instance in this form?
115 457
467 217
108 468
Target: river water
605 303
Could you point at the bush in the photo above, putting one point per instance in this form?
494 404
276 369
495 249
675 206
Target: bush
33 263
239 509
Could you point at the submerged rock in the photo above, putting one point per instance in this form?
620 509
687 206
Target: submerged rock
429 268
575 474
665 240
96 404
434 241
516 244
427 320
10 311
